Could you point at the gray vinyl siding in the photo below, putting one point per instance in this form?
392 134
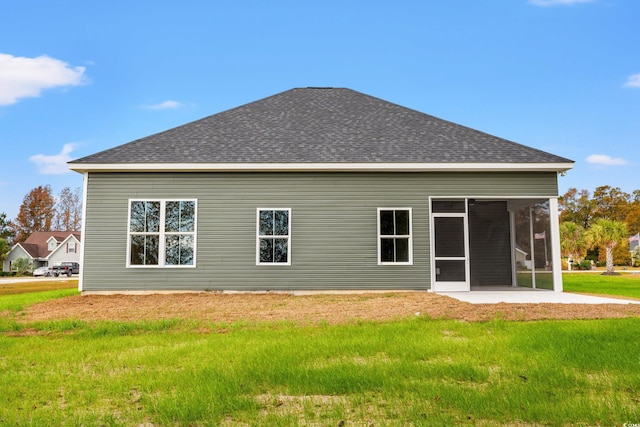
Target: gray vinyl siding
62 255
333 226
12 256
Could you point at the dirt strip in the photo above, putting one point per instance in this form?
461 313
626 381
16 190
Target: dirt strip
331 309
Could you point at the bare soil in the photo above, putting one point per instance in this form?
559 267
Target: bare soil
332 309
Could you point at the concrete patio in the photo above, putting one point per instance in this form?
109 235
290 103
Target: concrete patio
498 294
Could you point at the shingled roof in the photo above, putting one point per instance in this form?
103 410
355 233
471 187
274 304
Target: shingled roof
36 244
319 126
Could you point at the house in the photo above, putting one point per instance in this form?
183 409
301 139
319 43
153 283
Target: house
634 242
521 258
46 248
318 189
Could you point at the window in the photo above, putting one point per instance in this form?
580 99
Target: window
394 236
273 239
71 248
52 244
162 233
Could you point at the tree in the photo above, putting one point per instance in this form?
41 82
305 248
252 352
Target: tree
5 235
577 206
22 266
4 250
611 203
622 253
572 241
635 256
633 214
605 233
69 210
36 213
5 227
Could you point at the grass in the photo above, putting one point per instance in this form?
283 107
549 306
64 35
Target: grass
625 285
13 305
36 286
409 372
544 279
415 371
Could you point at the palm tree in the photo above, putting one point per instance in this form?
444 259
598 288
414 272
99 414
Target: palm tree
606 234
22 266
572 240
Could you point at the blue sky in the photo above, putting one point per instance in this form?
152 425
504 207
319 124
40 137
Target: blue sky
78 77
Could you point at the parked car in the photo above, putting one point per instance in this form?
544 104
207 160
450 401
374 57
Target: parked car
67 268
42 271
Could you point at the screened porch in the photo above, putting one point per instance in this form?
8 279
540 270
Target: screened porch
483 243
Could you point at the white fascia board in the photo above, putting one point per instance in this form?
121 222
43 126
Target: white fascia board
320 167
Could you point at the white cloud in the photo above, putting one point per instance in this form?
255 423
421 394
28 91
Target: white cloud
604 160
557 2
166 105
633 81
22 77
55 164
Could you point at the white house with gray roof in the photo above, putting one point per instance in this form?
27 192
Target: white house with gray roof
45 249
318 189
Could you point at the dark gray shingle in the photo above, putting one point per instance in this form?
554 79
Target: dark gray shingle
321 125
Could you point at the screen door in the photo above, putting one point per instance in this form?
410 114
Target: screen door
450 252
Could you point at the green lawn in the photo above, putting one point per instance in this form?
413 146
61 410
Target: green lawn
36 286
410 372
627 285
544 279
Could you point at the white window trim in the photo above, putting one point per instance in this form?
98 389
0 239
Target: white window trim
258 237
381 236
161 234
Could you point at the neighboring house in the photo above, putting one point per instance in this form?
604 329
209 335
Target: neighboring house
315 189
46 248
521 258
634 242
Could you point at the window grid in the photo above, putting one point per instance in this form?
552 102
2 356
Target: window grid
273 236
395 236
160 245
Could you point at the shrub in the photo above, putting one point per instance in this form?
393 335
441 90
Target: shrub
584 265
22 266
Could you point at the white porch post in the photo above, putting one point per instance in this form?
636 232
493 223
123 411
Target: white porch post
556 259
532 239
514 267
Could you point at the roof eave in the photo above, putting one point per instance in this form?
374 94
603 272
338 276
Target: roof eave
320 167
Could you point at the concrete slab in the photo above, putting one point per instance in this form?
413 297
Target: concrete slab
531 297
